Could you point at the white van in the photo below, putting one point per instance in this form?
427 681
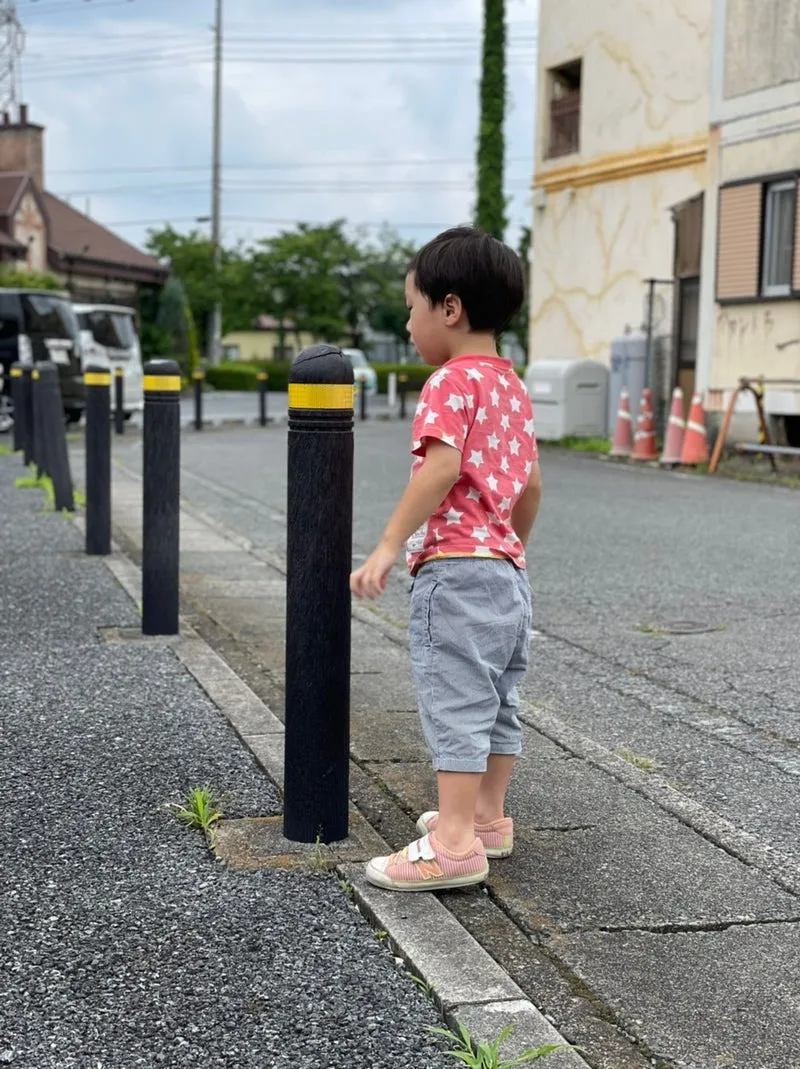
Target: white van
109 338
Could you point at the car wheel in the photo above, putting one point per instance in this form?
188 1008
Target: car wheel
72 416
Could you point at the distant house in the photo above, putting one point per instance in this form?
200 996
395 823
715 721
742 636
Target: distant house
265 340
41 232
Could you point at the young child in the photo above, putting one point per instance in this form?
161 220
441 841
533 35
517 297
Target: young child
465 518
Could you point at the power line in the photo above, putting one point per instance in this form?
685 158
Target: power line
331 186
276 222
315 164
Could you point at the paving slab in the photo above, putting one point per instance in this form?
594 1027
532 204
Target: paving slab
727 999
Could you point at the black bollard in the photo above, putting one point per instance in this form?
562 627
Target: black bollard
161 493
198 376
38 439
362 400
263 386
97 381
119 400
403 381
319 530
19 410
51 440
27 410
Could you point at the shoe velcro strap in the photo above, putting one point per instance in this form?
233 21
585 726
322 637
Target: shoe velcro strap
421 850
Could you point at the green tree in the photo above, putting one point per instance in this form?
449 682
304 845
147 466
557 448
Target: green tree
519 325
490 211
176 323
387 259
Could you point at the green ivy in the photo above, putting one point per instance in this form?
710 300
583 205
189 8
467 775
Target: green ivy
490 211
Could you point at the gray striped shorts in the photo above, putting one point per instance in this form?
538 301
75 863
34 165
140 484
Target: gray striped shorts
470 631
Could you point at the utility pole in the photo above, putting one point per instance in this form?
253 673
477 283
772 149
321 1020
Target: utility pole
215 332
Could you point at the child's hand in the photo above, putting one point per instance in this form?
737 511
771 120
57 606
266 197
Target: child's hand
370 579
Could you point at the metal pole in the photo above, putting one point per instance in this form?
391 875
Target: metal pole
198 376
391 390
215 346
319 530
119 401
19 410
403 380
27 405
97 381
263 385
161 497
362 400
648 367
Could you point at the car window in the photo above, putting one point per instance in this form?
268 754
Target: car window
10 325
48 317
102 327
356 358
124 328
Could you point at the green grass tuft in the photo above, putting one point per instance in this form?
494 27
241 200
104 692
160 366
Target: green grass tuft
487 1055
200 810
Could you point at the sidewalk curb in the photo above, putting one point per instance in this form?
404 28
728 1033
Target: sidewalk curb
470 987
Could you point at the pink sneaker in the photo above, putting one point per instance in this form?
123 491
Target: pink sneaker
497 837
425 865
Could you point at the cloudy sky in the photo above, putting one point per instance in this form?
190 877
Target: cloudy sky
363 109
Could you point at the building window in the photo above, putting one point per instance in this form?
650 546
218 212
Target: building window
778 241
565 109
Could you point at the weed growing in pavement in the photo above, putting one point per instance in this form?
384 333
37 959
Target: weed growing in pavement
381 935
346 887
650 629
644 764
201 810
487 1055
425 986
6 451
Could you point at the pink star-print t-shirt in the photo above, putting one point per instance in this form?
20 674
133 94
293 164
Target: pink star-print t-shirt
478 405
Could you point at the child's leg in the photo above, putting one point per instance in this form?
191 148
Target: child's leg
458 794
490 803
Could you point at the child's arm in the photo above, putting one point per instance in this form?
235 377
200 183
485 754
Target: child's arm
523 515
423 496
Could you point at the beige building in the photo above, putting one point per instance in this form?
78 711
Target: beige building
750 287
264 341
621 139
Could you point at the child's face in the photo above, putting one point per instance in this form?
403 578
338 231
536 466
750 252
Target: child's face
426 326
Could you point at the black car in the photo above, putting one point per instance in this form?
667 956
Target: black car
41 325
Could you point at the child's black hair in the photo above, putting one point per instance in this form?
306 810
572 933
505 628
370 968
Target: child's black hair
486 274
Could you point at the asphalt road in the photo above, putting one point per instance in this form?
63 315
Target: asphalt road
620 559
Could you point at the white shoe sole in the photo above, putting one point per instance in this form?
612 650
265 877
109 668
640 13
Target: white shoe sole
491 851
380 879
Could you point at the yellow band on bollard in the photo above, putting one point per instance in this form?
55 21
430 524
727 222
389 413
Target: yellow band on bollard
162 383
119 372
34 374
97 378
198 374
262 376
16 373
319 395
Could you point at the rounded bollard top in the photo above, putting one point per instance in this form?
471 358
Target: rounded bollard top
162 376
16 371
45 369
322 364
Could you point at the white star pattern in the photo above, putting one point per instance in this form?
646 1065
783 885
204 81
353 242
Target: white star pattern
415 446
484 413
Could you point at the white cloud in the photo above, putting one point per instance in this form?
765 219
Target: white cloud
155 113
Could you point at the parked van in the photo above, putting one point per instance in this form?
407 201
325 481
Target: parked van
109 339
41 325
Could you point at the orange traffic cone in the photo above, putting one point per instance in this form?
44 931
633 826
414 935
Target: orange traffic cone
623 433
644 441
695 442
675 430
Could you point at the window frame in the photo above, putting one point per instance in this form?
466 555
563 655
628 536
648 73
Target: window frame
768 239
560 76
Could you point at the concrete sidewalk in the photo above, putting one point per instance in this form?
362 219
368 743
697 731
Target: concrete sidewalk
648 928
124 941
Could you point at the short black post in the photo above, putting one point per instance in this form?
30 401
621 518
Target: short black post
319 528
52 456
199 377
161 492
263 386
19 410
27 409
38 439
362 400
119 400
97 381
403 380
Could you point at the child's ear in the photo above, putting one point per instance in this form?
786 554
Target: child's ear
453 310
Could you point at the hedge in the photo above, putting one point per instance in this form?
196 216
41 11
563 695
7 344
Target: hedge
243 376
